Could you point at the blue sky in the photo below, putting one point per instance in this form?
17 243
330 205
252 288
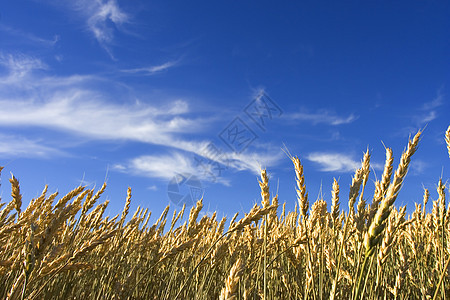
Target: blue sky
137 92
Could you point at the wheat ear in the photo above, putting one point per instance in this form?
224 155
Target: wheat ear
447 140
302 195
373 235
15 193
230 290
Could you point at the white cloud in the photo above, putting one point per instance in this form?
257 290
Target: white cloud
81 106
428 110
119 167
100 14
418 167
435 103
178 107
261 156
152 188
430 116
29 37
101 17
322 117
334 162
253 161
84 112
19 66
17 146
338 162
162 166
166 166
147 71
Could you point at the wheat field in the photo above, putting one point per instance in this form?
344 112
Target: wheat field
66 248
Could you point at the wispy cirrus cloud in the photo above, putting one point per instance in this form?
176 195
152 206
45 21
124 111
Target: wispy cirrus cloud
322 117
101 17
428 111
161 166
78 105
29 37
75 111
152 70
253 161
18 66
165 166
19 146
418 167
334 162
436 102
428 117
338 162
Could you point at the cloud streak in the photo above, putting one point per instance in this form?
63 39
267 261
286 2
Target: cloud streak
29 37
19 66
334 162
101 17
429 109
18 146
76 112
80 106
322 117
418 167
152 70
165 166
337 162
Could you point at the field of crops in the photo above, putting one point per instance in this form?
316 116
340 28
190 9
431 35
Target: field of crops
65 248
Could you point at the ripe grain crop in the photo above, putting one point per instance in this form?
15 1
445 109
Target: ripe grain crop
66 248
